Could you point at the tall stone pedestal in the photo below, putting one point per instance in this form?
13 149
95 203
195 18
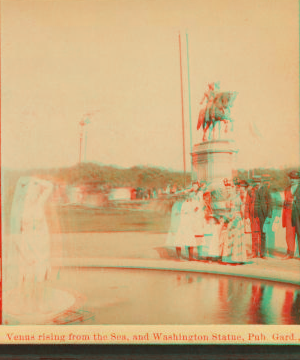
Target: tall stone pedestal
214 160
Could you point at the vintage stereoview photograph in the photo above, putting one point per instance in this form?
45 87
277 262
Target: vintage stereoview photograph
150 162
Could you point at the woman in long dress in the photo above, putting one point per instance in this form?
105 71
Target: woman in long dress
234 248
243 187
211 248
199 207
190 230
175 221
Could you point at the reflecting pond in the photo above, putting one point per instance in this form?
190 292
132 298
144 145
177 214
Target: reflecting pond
128 296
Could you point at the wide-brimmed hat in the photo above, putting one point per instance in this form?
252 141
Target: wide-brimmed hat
243 183
227 182
294 174
236 181
256 179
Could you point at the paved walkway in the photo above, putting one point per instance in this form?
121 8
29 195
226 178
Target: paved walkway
148 251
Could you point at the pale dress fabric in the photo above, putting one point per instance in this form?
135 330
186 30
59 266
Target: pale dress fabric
211 244
234 242
175 221
190 229
199 217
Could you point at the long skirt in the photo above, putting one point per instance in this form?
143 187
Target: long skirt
175 222
189 232
234 246
248 236
211 243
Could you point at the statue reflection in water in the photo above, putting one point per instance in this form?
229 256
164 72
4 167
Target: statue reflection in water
28 253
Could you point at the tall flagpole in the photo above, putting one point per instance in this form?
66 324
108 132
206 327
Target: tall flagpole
182 109
190 109
80 141
85 139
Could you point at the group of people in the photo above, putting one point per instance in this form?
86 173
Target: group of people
231 222
291 214
153 193
143 194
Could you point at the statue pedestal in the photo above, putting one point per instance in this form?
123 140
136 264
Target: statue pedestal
214 160
55 304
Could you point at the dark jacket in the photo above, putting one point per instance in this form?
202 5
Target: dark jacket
263 203
296 210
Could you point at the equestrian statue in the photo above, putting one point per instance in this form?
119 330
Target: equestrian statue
214 118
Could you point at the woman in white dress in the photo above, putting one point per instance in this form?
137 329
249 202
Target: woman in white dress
190 230
175 221
211 248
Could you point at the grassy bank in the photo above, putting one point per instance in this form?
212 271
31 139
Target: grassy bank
78 219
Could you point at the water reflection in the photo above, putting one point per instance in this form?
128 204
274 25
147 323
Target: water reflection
291 308
160 297
295 313
256 313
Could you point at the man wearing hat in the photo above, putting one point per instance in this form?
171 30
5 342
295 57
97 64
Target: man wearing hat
259 211
291 213
249 215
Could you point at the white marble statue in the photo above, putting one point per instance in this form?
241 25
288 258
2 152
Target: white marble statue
27 264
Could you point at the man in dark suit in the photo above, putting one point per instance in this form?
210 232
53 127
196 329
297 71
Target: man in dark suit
249 214
296 215
296 208
290 213
262 212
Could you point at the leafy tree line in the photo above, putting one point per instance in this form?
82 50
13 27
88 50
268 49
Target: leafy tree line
138 176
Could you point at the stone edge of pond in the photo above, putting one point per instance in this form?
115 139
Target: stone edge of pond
268 270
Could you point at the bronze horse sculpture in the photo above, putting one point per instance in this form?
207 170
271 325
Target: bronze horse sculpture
217 109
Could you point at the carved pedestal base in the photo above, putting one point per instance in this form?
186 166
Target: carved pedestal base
214 160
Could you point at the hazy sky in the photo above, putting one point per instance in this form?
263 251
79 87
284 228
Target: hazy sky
119 60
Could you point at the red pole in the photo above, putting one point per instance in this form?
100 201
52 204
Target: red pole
183 138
